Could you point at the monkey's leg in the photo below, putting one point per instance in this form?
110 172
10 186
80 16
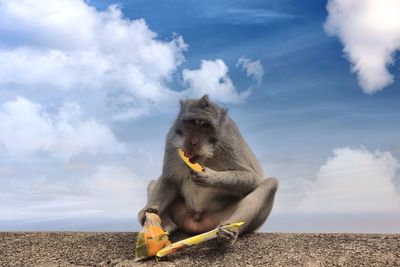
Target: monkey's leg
253 209
167 223
159 195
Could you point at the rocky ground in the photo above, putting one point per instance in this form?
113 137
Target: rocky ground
259 249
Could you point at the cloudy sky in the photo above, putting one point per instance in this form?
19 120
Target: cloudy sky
88 90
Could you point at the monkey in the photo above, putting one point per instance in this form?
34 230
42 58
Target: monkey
231 187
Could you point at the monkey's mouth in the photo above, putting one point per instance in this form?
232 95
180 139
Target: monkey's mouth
194 159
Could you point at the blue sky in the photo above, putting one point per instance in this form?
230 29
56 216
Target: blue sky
89 89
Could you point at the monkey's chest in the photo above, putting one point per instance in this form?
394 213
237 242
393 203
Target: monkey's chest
201 199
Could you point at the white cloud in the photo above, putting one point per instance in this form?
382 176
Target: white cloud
115 180
253 69
112 191
27 128
116 188
370 33
354 180
212 78
71 45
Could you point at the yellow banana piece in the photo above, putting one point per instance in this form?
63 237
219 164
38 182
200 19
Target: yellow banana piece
196 167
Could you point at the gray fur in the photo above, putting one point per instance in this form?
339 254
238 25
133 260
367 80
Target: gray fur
232 185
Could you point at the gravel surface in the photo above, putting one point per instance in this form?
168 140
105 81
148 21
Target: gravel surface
258 249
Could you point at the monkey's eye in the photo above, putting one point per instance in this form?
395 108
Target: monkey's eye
179 132
213 140
206 125
204 105
191 122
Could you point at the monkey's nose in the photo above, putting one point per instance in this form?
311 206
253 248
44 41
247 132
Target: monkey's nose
194 141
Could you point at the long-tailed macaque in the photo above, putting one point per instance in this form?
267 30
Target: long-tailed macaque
230 189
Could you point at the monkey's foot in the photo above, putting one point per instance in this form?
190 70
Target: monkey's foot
170 228
227 237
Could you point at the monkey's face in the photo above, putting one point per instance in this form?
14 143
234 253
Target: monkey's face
198 139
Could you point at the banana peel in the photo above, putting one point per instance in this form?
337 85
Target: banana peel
152 238
195 167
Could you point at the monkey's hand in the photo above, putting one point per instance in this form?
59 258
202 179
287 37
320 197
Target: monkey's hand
204 178
142 216
227 237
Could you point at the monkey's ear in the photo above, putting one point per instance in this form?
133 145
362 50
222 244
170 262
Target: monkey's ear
222 117
204 98
182 103
204 102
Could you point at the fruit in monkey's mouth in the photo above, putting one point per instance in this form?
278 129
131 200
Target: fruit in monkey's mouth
194 166
194 159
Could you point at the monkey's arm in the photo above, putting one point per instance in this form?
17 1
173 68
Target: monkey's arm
237 182
160 194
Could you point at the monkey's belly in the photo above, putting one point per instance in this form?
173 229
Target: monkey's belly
194 222
193 225
203 199
200 209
